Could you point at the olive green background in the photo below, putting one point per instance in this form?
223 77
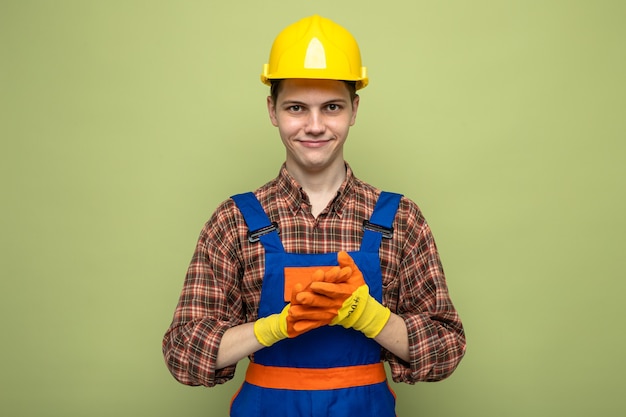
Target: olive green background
124 123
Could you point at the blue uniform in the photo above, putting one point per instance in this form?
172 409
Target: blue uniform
329 371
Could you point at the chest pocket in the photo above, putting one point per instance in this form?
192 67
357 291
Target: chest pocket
299 275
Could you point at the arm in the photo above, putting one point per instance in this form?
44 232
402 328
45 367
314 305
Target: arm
237 343
394 337
210 304
436 339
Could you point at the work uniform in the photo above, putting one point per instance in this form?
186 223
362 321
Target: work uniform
328 371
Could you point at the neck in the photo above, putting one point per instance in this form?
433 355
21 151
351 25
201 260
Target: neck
321 186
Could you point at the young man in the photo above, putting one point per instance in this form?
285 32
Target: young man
316 276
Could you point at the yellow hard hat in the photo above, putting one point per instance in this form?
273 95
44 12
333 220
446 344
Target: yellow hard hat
315 47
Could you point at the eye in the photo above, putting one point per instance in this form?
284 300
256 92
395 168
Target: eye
295 108
333 107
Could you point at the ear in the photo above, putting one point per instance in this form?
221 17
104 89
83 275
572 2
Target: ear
271 110
355 108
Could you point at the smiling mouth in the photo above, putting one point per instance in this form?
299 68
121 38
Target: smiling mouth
314 143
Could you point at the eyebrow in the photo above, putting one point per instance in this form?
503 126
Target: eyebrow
335 100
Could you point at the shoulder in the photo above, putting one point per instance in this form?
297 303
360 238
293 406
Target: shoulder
228 209
407 209
223 223
227 217
409 223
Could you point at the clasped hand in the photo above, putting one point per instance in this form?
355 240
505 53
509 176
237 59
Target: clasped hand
338 296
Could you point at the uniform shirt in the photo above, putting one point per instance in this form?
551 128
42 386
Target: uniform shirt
222 287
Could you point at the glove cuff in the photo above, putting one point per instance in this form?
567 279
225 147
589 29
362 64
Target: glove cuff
374 318
271 329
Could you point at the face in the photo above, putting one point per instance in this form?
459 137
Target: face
313 118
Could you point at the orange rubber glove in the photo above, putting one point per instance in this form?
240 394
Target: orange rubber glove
332 305
346 291
301 317
294 320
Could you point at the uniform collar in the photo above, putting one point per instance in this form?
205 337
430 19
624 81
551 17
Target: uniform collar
296 198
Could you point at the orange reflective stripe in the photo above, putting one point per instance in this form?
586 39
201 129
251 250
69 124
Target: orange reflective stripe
315 379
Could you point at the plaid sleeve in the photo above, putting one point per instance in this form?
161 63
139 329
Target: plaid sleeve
436 335
209 304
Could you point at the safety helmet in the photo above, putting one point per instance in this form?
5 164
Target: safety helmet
315 47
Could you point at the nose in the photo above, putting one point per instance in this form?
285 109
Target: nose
315 123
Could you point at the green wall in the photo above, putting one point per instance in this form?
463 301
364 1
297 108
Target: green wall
124 123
